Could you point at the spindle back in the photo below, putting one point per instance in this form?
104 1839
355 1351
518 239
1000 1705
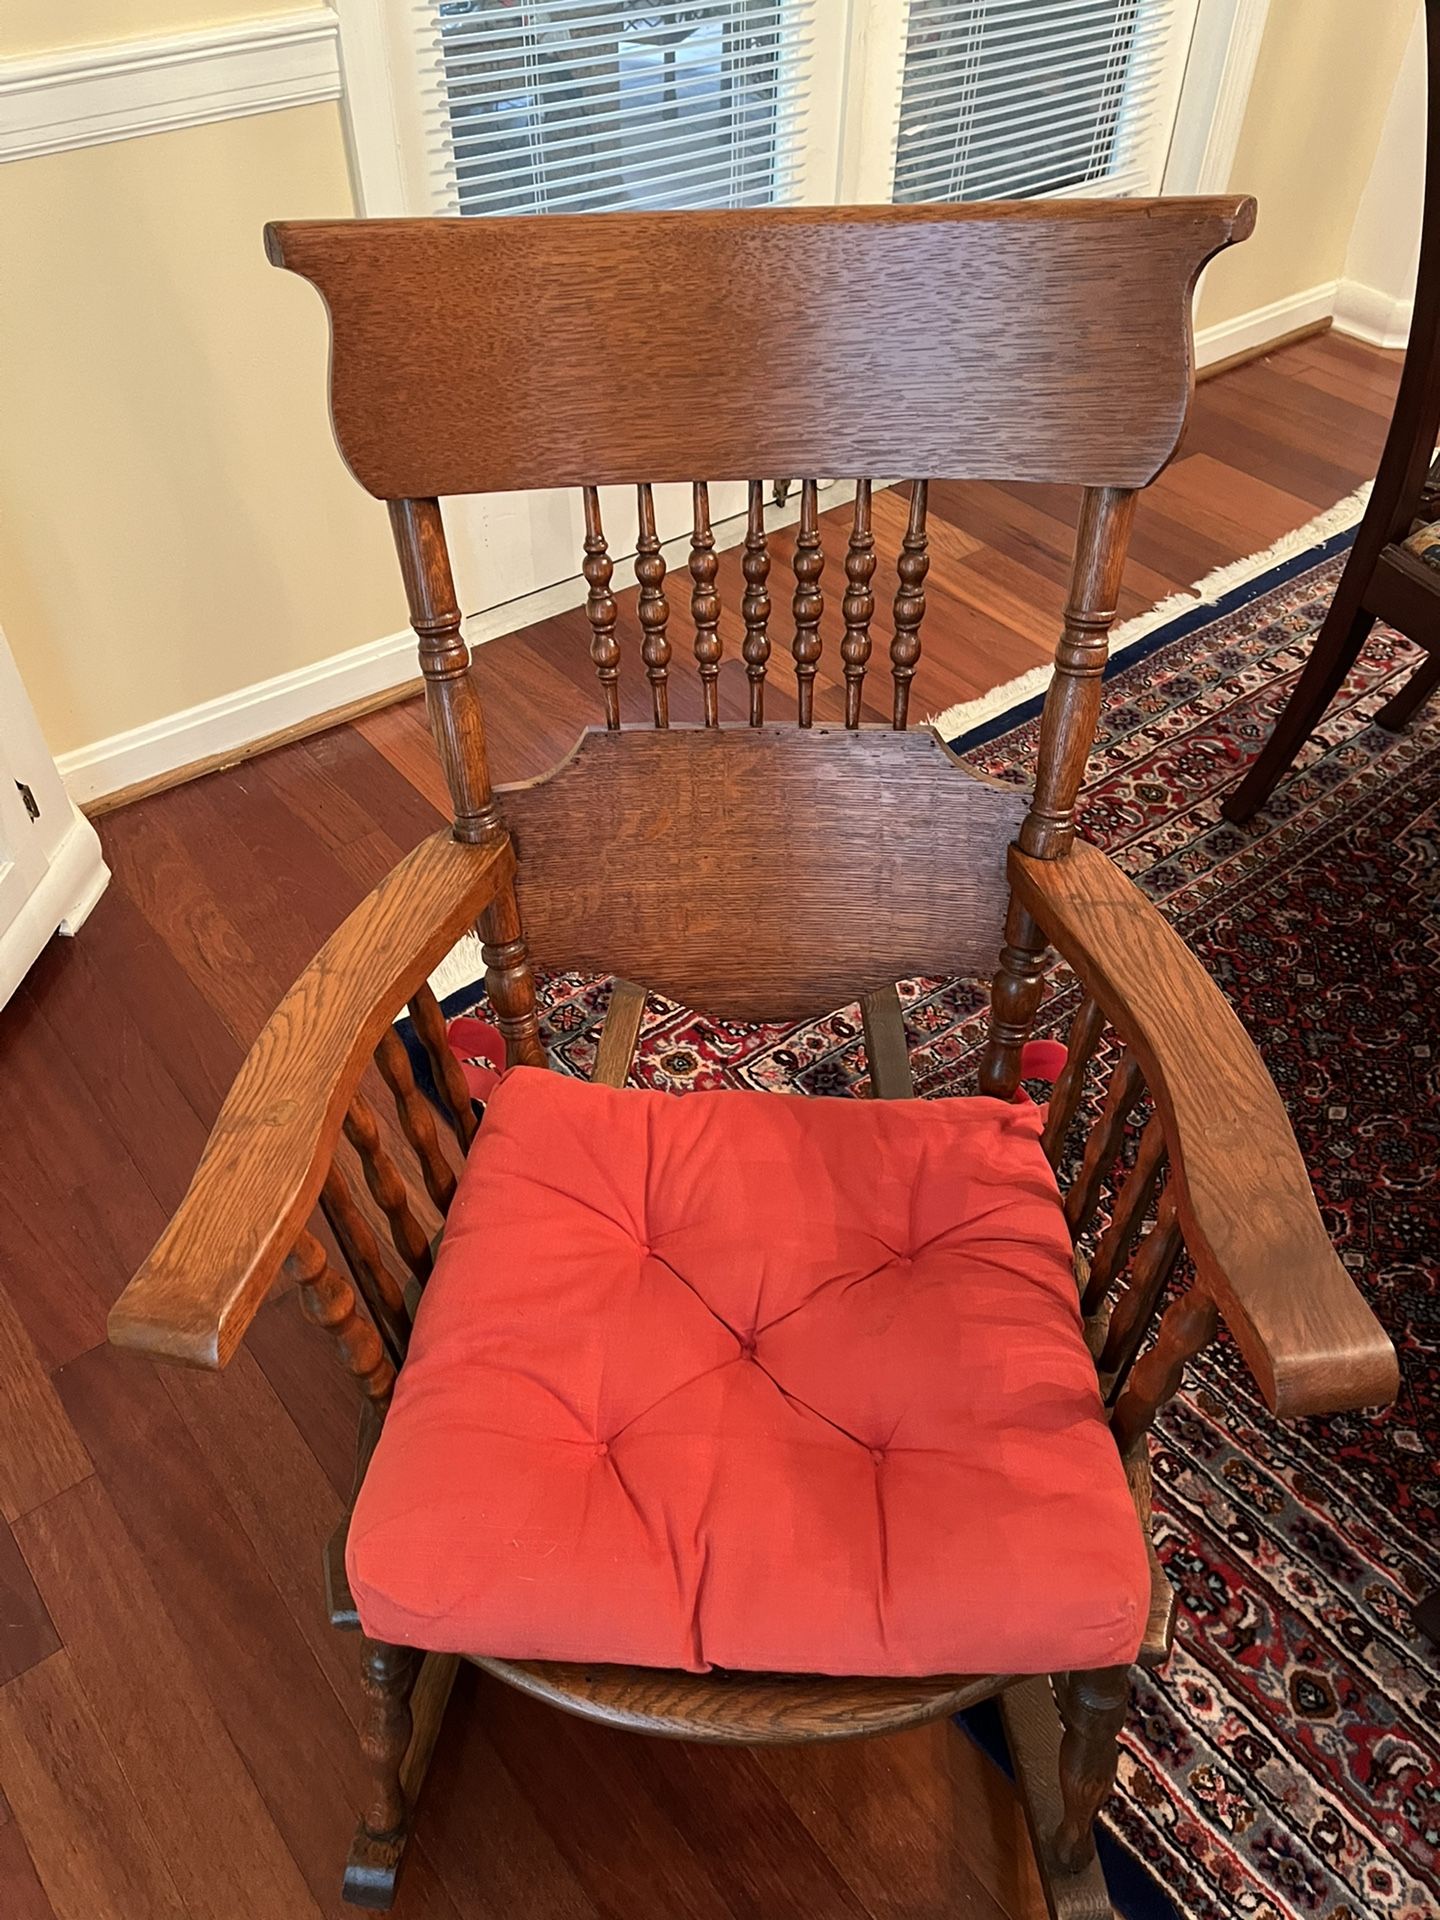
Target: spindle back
1036 341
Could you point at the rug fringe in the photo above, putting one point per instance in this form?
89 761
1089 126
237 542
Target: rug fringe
968 714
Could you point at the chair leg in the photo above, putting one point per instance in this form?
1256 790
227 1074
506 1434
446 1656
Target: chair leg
1401 707
1092 1707
1337 648
405 1701
1034 1735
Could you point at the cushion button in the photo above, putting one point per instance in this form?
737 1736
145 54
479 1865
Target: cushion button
601 1449
877 1454
747 1346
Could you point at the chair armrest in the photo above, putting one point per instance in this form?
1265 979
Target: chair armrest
1243 1196
266 1158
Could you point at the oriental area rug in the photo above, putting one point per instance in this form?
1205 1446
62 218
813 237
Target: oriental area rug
1286 1764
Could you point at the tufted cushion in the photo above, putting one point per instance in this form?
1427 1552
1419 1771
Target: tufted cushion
755 1381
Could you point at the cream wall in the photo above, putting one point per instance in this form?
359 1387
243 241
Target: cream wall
1384 249
1322 85
174 519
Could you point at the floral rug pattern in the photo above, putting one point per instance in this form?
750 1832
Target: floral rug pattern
1286 1764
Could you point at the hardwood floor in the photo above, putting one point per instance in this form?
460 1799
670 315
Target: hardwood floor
176 1719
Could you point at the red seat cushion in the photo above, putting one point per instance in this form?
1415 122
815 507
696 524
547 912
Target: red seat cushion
754 1381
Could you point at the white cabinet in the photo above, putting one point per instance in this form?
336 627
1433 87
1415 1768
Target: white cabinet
51 870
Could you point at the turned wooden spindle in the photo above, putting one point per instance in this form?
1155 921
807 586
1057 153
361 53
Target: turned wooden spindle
654 608
509 981
1072 705
1150 1270
1014 997
1102 1147
598 569
379 1289
1188 1326
452 700
449 1076
858 607
417 1119
809 602
705 604
327 1298
1067 730
387 1187
755 607
1080 1045
387 1677
911 566
1131 1206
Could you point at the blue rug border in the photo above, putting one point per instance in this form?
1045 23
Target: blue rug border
1202 614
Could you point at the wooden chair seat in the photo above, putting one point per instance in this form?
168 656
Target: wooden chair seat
742 1709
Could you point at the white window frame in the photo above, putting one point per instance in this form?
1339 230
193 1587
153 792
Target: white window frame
855 81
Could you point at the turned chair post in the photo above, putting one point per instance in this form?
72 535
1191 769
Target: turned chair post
457 721
452 699
1067 732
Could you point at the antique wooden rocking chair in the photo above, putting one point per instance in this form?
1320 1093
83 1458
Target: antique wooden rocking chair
522 1488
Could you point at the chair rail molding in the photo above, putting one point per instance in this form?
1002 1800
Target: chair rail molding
122 89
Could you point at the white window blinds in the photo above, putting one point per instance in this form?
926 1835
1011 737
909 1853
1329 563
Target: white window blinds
1005 99
581 106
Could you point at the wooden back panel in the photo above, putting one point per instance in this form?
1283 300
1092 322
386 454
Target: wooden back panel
762 873
1035 340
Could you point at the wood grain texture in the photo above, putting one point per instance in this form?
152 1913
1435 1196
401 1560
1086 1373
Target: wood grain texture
741 1709
54 1760
741 871
150 1703
1036 340
887 1050
620 1034
265 1164
39 1453
27 1633
1243 1196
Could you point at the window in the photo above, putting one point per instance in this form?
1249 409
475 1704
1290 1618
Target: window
1007 99
587 105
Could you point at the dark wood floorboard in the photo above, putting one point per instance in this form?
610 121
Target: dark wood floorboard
176 1719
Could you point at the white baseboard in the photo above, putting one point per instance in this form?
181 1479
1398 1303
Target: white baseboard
1249 332
1371 315
229 726
116 90
235 721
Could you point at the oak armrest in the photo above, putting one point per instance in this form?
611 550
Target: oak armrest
266 1158
1244 1200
